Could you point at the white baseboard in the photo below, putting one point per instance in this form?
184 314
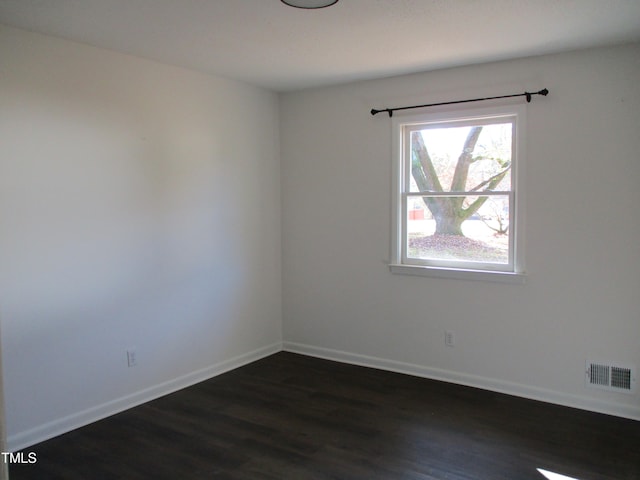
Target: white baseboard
57 427
485 383
66 424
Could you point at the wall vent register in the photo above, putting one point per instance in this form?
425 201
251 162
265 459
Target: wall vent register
615 378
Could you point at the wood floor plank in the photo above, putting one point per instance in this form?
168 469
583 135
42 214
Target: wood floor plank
294 417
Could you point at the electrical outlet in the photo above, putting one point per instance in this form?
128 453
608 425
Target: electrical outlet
132 359
449 338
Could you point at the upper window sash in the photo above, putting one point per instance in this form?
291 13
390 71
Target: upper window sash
410 130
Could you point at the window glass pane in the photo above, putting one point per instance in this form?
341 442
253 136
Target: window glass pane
459 228
461 158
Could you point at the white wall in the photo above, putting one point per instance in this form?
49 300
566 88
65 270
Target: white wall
4 467
139 207
580 300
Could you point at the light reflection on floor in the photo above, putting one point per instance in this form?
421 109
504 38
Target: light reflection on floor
555 476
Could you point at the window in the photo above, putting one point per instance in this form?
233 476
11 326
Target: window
457 195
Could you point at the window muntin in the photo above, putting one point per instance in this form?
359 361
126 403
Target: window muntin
456 201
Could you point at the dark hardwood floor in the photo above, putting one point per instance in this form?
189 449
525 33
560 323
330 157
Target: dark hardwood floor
294 417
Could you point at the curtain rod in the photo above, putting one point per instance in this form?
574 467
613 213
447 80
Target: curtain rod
390 111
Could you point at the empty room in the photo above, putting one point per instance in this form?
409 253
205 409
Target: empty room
320 239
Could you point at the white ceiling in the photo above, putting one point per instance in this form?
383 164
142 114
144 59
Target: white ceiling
267 43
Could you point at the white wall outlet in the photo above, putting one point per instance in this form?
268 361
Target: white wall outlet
449 338
132 358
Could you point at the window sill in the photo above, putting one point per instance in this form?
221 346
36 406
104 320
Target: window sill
458 274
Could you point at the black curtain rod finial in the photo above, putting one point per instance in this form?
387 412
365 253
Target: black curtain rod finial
388 110
543 92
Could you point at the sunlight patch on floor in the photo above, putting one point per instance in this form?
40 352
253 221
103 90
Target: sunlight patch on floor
554 476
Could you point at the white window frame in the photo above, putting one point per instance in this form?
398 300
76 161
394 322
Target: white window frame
511 273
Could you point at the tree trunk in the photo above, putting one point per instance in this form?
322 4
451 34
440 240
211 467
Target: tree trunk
447 222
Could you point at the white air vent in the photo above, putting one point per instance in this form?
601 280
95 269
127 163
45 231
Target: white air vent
615 378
